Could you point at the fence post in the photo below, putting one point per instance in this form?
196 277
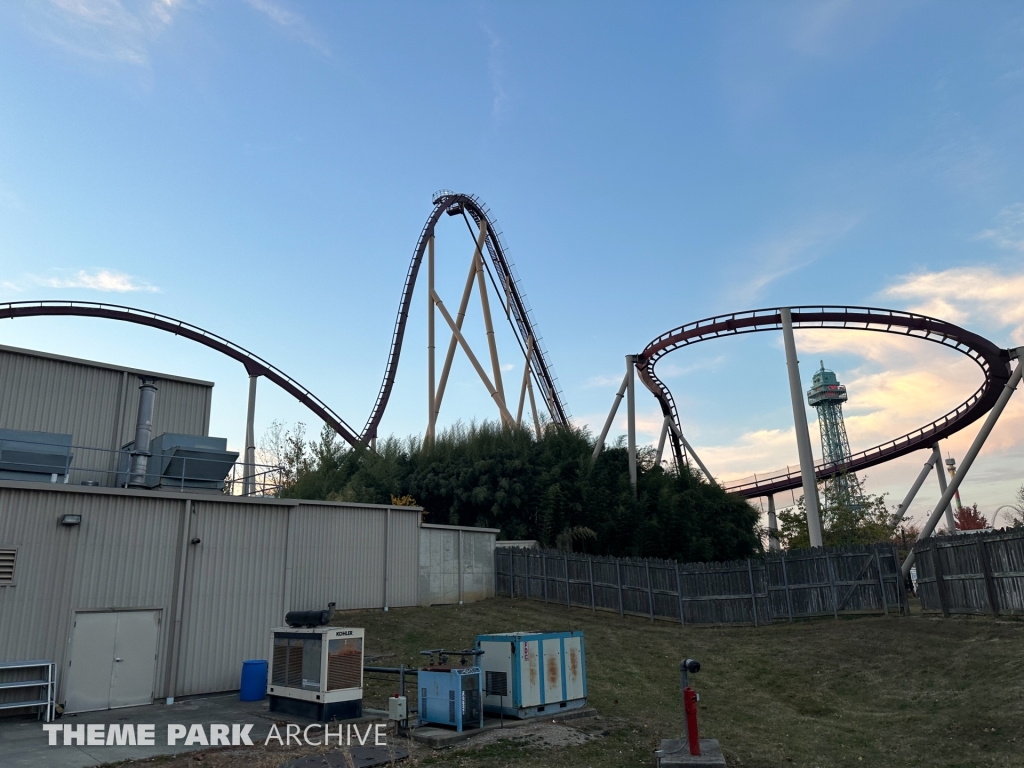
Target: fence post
832 584
568 600
590 577
753 598
990 584
650 592
618 578
901 584
940 581
881 582
679 595
785 583
544 571
512 572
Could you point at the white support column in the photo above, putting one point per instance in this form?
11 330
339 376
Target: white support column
972 454
485 305
631 417
611 416
950 520
249 480
661 441
476 363
921 477
773 525
526 381
803 438
691 452
431 380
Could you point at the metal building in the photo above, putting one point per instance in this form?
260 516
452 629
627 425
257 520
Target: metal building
199 579
95 403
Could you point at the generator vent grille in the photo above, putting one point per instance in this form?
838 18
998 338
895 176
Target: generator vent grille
345 664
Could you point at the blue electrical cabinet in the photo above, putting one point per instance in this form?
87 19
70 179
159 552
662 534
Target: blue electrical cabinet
533 673
451 696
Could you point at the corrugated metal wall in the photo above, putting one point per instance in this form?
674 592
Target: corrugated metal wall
255 559
95 403
455 563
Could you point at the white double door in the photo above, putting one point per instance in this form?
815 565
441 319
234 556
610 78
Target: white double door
113 660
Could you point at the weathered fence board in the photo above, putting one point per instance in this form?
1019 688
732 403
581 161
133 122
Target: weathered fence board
972 573
779 586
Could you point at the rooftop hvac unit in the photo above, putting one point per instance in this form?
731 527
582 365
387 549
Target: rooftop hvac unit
317 672
39 457
451 695
180 461
533 673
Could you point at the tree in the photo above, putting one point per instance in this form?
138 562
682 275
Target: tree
863 522
546 488
970 519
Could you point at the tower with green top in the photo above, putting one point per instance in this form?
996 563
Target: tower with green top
827 396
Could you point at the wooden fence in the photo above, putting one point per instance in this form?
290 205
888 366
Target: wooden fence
972 573
779 586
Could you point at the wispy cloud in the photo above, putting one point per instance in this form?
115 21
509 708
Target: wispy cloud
787 254
967 295
105 29
1008 231
292 24
102 280
671 370
604 380
496 73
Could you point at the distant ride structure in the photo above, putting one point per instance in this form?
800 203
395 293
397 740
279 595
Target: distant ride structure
827 396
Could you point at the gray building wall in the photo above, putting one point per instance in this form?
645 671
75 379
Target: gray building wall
456 564
256 559
95 403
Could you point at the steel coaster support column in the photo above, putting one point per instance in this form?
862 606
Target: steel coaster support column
937 457
631 417
803 438
249 481
431 381
526 381
773 525
661 441
476 363
611 416
533 408
485 304
690 452
971 455
921 476
460 318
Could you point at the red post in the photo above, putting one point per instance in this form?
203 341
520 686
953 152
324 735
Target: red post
690 707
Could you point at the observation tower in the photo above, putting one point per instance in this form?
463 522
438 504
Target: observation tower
827 396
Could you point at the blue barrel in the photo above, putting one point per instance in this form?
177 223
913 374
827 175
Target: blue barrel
254 680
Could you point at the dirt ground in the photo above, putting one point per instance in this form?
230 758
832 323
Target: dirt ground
878 691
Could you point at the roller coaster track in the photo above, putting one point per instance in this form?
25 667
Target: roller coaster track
520 313
519 317
993 361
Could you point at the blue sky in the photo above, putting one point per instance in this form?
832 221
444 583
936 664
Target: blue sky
263 168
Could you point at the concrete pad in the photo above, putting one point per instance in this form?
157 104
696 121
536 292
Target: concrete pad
24 744
675 752
438 737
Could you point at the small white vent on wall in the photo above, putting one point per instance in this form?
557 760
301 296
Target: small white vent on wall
7 559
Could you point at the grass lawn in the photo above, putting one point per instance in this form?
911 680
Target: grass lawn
864 691
859 691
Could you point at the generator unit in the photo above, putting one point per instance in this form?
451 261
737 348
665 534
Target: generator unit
533 673
449 694
317 672
193 462
38 457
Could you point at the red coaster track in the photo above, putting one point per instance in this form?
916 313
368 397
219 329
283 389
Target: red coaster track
993 361
519 316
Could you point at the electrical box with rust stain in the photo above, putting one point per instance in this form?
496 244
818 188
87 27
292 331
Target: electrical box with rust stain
533 673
